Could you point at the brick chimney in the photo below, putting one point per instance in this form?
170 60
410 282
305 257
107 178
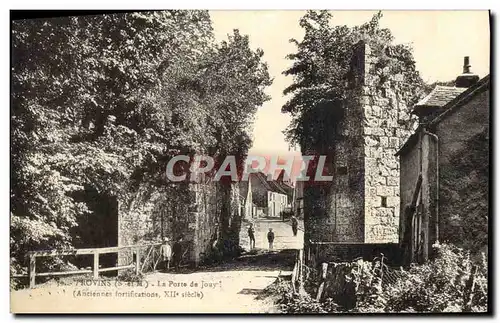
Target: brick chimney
467 78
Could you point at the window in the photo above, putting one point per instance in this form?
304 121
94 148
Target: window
384 201
342 170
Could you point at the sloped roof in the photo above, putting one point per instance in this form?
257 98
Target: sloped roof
480 86
452 105
286 187
272 186
440 96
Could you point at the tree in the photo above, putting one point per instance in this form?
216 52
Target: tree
321 68
236 78
85 111
101 103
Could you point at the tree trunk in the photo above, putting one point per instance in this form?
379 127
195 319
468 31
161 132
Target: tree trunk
230 221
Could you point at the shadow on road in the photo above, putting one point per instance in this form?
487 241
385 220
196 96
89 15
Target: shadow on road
251 291
257 260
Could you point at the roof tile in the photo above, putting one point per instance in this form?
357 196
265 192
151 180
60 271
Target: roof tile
440 96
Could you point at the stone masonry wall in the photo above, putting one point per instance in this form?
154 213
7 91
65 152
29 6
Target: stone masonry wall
333 211
386 125
192 215
203 220
361 204
136 225
346 196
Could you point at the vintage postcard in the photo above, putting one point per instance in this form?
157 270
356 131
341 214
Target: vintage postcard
196 161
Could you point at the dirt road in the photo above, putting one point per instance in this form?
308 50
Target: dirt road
283 235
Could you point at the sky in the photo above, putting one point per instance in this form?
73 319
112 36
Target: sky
440 40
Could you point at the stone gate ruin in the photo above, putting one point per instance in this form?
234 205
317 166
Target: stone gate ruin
361 205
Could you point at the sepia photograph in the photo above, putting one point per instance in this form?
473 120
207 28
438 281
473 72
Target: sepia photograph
324 162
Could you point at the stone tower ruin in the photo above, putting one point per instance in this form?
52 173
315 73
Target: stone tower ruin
361 204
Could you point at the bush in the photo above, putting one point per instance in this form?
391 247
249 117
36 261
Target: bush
442 285
291 302
129 275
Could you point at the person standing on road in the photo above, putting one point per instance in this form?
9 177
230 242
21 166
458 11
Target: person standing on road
251 235
270 238
295 225
166 252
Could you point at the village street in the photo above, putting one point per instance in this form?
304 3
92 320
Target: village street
283 236
233 287
239 283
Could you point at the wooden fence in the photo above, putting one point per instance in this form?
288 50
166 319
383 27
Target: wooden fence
150 261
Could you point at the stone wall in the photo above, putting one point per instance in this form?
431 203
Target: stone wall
387 124
346 199
189 211
361 204
136 225
333 211
203 220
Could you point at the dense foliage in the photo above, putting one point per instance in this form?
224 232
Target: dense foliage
321 70
454 281
101 103
468 176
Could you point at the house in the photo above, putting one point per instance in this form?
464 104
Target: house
298 199
444 169
269 197
287 187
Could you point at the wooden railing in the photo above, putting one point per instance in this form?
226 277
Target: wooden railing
152 251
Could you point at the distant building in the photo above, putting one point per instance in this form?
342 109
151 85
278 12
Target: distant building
298 199
263 197
444 169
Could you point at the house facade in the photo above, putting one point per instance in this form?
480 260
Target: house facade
269 197
445 169
298 199
276 203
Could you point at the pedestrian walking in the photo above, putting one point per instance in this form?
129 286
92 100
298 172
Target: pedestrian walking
295 225
166 253
270 238
251 235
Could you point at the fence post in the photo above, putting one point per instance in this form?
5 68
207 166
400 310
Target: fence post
301 270
137 261
96 265
324 270
32 270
